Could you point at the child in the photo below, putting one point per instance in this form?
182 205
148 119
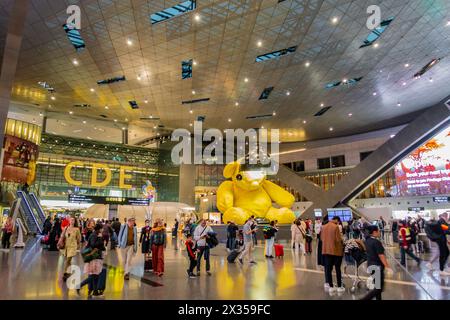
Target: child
190 247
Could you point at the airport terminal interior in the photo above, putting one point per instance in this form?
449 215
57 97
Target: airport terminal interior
225 149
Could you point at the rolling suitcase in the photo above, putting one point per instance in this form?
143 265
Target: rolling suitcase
232 256
279 250
148 265
420 246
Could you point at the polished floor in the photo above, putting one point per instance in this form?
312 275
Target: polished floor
34 273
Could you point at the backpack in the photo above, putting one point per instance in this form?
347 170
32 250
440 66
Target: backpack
268 233
158 238
432 229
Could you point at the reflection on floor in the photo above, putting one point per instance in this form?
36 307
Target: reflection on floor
33 273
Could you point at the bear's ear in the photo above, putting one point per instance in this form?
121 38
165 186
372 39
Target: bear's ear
231 170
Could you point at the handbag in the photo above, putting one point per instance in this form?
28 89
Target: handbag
88 254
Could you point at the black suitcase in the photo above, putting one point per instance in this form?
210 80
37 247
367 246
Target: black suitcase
232 256
148 265
420 246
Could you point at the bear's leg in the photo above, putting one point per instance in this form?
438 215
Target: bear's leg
283 215
238 215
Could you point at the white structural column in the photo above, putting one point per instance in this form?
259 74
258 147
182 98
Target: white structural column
10 58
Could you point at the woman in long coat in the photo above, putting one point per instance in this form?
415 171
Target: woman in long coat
72 235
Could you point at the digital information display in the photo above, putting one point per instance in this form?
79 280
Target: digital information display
79 198
441 199
426 171
345 214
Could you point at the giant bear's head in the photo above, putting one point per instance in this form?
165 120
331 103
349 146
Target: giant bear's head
251 179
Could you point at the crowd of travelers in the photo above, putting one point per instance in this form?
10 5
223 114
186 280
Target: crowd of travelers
73 235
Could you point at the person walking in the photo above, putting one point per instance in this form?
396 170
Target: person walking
94 267
145 240
248 242
175 229
332 253
269 236
190 248
7 232
404 240
158 241
115 225
377 261
55 233
232 230
437 233
72 236
298 234
107 232
200 236
127 241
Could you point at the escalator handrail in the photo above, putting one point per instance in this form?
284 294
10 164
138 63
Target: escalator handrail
37 205
24 200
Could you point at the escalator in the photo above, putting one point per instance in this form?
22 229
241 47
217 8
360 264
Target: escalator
31 217
36 206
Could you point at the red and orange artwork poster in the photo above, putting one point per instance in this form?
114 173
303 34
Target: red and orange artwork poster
426 171
19 160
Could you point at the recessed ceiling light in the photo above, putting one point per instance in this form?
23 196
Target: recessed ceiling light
392 135
307 64
123 128
190 111
350 114
92 89
259 43
331 129
322 105
139 78
229 120
274 113
129 42
154 127
448 23
146 101
70 112
106 107
190 124
115 120
157 134
126 119
404 83
376 45
75 62
193 91
262 127
304 121
431 79
84 121
236 104
288 93
335 20
344 80
374 93
246 79
197 17
406 65
194 63
399 104
53 98
151 116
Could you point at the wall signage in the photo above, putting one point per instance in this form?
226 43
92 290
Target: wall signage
80 198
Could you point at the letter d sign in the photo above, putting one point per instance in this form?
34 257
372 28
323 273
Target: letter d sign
74 20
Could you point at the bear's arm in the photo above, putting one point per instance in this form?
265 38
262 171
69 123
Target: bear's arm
225 196
278 194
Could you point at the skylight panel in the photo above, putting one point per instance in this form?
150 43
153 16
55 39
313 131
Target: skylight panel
111 80
174 11
259 117
275 54
266 93
186 69
74 37
376 33
338 83
133 104
322 111
427 67
195 101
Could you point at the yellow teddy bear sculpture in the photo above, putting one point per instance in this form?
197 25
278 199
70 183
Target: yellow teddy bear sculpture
249 193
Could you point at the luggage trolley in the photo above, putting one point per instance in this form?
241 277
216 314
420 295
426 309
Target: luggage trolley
354 256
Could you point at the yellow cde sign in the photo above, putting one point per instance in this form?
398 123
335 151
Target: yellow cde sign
96 167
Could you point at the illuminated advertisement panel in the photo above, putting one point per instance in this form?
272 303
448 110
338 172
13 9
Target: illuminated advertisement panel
426 171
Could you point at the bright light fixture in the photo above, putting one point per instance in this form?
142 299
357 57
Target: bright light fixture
193 91
259 43
350 114
75 62
229 120
70 112
274 113
288 93
115 120
374 93
406 65
53 98
331 129
190 111
92 89
197 17
304 121
399 104
236 104
307 64
84 121
376 45
129 42
106 107
335 20
246 79
146 101
322 105
139 78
